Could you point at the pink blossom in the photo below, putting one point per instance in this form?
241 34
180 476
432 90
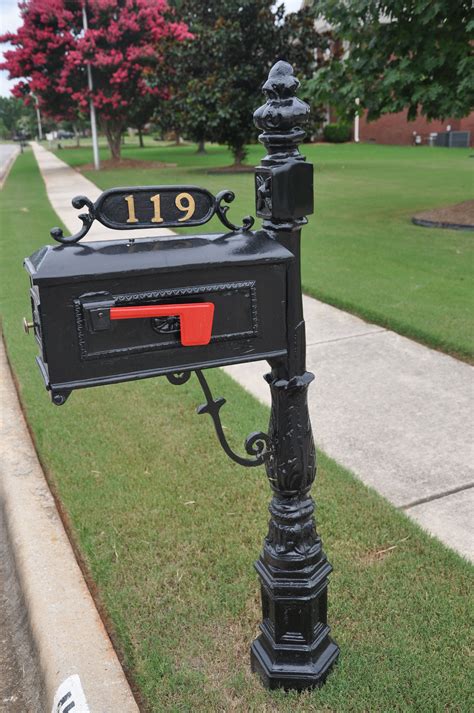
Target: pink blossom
123 45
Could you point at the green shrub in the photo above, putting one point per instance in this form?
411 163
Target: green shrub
337 133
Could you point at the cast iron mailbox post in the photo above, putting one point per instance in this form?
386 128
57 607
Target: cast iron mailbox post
170 306
294 649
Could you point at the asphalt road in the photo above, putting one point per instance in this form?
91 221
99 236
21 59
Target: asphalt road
7 151
19 677
20 685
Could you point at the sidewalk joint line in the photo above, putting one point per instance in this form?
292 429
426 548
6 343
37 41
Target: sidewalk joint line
351 336
438 496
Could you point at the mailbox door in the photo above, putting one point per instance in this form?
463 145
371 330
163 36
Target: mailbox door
249 323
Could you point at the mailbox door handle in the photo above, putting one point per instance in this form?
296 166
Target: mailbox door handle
195 319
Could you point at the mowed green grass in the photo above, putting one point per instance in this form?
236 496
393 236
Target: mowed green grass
360 250
168 530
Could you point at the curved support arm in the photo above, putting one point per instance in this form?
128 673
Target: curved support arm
257 444
87 220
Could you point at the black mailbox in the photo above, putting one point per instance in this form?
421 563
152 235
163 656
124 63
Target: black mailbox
106 312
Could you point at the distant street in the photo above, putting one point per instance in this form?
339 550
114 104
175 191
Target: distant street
7 151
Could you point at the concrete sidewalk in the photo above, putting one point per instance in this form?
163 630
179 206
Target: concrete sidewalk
63 184
399 415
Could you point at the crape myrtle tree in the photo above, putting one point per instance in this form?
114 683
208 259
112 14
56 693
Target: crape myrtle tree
123 44
401 54
219 73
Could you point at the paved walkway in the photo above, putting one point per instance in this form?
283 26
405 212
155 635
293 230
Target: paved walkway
399 415
63 183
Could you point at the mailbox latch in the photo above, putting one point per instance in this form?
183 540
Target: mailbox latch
97 310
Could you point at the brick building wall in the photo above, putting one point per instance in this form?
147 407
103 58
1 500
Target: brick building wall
396 129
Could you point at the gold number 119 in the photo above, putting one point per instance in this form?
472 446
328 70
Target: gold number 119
183 202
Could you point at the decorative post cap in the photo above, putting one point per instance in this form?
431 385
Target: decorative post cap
283 181
283 114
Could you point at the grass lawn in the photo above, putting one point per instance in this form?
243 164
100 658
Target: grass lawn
360 252
168 529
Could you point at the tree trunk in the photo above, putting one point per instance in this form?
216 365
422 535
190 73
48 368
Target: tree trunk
177 138
113 132
76 134
140 138
239 153
201 148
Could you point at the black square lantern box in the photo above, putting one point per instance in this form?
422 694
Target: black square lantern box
106 312
285 192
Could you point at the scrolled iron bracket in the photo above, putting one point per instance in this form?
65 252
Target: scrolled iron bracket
87 219
221 211
257 444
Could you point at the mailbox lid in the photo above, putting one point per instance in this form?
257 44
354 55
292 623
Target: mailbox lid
82 261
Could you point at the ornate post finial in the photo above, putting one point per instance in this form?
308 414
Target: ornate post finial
282 116
283 181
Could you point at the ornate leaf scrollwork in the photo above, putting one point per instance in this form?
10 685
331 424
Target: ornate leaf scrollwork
221 211
87 220
263 194
258 444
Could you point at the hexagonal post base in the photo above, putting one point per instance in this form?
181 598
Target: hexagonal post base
294 650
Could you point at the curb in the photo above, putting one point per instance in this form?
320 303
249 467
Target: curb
436 224
67 633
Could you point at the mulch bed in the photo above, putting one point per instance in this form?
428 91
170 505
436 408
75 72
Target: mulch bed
455 217
111 163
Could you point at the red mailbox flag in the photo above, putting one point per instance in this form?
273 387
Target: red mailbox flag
195 319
